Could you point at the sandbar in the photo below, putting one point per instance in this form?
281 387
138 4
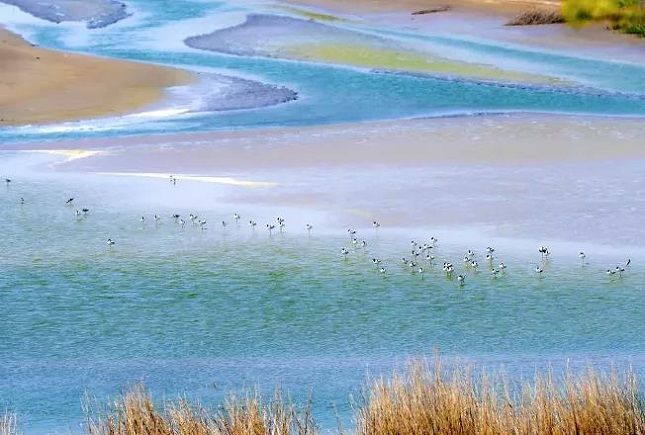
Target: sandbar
44 86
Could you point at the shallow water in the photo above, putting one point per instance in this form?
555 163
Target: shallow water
329 94
209 312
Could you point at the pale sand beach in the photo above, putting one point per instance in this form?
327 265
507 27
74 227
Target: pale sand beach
517 176
44 86
484 19
504 140
508 7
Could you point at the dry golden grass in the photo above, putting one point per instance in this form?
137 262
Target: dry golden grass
424 400
135 414
8 425
535 17
428 401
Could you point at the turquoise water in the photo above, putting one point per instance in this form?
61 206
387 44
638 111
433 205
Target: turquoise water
332 94
215 311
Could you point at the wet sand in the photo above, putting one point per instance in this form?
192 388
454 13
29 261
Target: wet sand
43 86
96 13
498 140
307 39
532 177
485 19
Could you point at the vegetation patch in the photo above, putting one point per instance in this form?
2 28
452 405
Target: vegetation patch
627 16
537 17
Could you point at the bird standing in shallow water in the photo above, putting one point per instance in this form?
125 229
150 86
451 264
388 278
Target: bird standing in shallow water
110 242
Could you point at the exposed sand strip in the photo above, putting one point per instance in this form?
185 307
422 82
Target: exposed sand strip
491 140
41 86
293 38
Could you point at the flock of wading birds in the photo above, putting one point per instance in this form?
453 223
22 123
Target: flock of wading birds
418 254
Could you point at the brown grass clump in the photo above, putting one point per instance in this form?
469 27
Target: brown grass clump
428 401
8 424
535 17
135 414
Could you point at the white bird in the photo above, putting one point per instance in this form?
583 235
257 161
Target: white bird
494 272
110 242
363 243
253 224
474 264
143 219
490 250
489 257
501 266
582 255
236 217
544 251
344 251
309 227
182 223
270 227
375 224
461 279
157 218
433 240
538 270
382 270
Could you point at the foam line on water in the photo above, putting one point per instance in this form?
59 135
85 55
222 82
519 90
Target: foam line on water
231 181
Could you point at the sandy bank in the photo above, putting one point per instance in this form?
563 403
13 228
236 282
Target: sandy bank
507 7
306 39
42 86
490 140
